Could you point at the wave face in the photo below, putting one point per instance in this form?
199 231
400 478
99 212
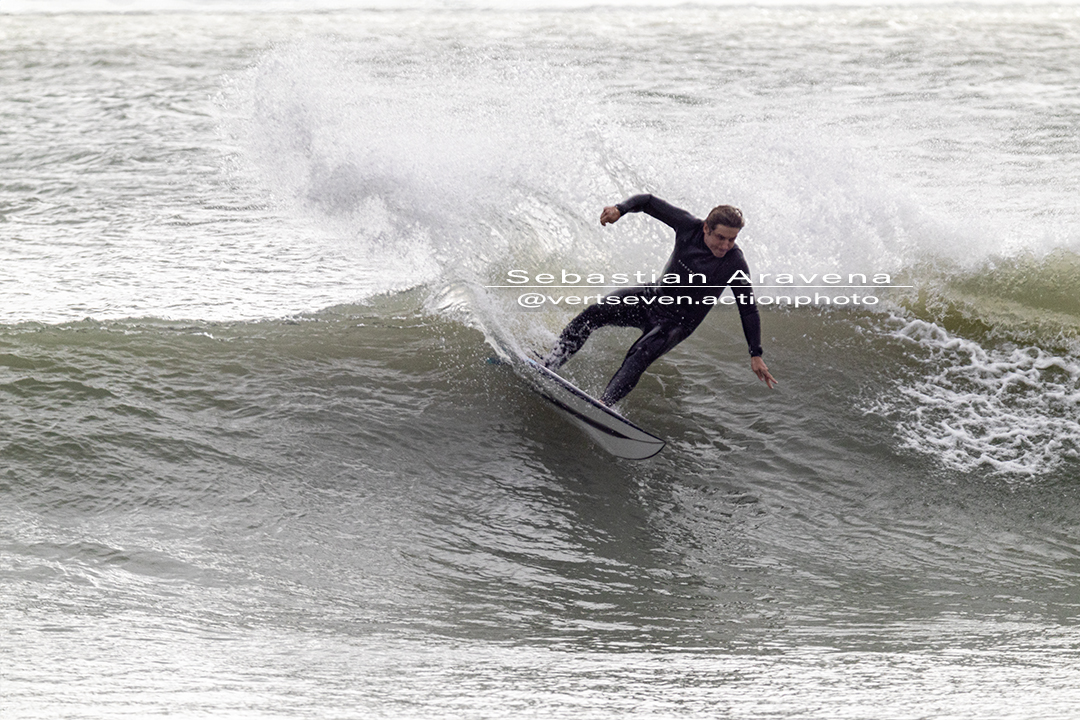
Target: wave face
453 164
254 459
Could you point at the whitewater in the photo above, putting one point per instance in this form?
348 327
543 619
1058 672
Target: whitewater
255 458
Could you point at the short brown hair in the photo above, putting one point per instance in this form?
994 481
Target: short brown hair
725 215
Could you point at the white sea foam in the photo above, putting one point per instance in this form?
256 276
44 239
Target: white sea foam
1013 410
410 148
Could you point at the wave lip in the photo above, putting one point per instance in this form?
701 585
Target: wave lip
1023 298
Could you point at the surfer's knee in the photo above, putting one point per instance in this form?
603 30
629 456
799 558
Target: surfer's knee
675 336
654 343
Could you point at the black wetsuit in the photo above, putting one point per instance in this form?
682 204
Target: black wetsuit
664 326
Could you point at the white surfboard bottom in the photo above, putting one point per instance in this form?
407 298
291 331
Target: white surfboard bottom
607 428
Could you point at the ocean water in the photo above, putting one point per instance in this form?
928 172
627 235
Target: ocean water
254 462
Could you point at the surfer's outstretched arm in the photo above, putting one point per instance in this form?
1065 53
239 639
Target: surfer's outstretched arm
665 212
751 325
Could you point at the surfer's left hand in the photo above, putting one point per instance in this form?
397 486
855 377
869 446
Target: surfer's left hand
762 371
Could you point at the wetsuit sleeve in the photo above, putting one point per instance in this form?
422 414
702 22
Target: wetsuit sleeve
751 327
662 210
748 312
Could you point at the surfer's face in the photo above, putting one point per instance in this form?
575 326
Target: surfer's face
720 239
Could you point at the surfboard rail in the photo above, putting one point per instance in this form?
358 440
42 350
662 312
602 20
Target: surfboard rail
607 428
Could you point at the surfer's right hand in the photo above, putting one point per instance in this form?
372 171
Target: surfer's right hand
610 215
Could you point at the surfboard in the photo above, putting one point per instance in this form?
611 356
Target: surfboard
604 426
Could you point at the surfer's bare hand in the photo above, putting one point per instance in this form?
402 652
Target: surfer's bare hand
610 215
762 371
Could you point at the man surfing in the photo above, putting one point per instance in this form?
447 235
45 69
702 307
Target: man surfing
704 250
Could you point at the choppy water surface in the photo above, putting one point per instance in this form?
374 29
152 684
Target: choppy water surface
253 462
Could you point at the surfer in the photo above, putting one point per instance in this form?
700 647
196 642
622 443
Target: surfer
704 249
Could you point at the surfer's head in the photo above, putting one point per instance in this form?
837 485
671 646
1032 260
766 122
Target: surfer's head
725 215
721 228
